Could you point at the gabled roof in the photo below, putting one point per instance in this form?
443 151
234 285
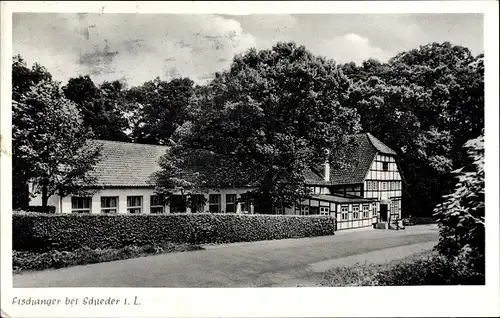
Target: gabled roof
126 164
380 146
365 147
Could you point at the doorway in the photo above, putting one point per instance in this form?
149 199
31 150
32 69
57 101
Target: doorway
383 212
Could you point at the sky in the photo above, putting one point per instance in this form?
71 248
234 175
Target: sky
139 47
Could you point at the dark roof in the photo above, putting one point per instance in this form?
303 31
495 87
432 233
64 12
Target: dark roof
126 164
340 199
314 176
365 147
130 164
380 146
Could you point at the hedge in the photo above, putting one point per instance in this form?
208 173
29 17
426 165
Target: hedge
67 232
419 220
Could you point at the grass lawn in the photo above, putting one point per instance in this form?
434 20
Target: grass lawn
424 268
23 261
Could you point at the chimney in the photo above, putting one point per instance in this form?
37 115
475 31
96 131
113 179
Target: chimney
326 176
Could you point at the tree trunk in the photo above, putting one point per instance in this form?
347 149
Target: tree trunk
264 204
45 197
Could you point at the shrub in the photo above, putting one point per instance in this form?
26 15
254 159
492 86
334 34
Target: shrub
30 260
72 231
432 270
419 220
427 268
461 215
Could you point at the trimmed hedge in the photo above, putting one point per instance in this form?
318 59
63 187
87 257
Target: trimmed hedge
67 232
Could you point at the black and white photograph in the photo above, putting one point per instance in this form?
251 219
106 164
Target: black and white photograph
311 151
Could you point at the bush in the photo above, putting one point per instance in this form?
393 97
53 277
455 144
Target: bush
461 216
29 260
419 220
50 209
426 268
433 270
67 232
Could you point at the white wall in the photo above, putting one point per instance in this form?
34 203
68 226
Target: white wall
391 178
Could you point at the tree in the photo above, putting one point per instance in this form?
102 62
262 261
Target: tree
424 103
50 142
23 78
263 123
461 215
163 108
102 108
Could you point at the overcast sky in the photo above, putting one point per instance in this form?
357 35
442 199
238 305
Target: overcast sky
138 48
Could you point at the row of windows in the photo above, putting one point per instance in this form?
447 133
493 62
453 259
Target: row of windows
314 210
383 185
344 212
319 190
109 205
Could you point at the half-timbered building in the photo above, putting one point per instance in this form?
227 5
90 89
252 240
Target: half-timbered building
365 193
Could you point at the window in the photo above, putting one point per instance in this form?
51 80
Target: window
372 185
374 211
156 205
366 210
178 203
134 204
313 210
384 185
355 211
214 203
324 210
395 185
385 166
81 204
344 212
395 207
304 210
109 204
197 203
230 203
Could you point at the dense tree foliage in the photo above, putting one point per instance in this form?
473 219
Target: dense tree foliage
50 142
424 103
461 215
23 78
265 121
163 107
101 108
